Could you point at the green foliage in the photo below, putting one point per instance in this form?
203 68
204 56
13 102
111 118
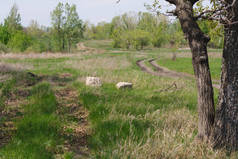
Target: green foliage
160 35
140 39
42 38
117 39
215 31
4 34
136 39
67 27
57 19
162 31
12 34
131 30
41 44
101 31
20 41
73 26
13 21
3 48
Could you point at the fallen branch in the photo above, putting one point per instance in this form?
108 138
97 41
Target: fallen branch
172 86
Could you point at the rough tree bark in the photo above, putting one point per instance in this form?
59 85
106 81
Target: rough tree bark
222 128
198 45
226 121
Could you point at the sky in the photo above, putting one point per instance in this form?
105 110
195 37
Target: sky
91 10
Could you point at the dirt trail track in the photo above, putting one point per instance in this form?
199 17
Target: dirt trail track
164 72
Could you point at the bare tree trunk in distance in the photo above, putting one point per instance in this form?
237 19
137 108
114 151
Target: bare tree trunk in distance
226 121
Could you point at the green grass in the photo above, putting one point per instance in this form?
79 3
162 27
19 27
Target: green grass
99 44
117 115
185 65
37 132
148 121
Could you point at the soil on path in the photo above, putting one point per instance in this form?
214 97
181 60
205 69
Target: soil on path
75 115
165 72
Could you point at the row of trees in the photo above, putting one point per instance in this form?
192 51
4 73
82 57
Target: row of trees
66 30
137 30
130 30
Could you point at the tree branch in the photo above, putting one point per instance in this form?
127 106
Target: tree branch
194 1
206 14
172 1
172 13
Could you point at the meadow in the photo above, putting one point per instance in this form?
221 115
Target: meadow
48 112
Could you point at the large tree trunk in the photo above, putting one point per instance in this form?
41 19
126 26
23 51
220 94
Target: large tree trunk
226 121
198 44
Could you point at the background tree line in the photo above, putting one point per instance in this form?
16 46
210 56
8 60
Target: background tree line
66 30
130 31
137 30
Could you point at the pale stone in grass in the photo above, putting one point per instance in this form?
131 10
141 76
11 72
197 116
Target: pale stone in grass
122 85
93 81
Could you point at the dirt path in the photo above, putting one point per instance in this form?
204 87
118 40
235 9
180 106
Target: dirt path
165 72
81 47
74 116
76 139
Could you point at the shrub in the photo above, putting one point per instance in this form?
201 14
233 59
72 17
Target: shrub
3 48
136 39
40 45
20 41
141 39
116 35
4 34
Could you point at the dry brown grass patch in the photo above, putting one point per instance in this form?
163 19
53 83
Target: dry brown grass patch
174 139
100 63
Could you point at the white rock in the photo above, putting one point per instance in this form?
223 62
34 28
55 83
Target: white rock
121 85
93 81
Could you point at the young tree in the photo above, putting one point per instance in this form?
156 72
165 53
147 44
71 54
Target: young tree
58 21
67 25
19 42
73 27
13 21
13 34
41 38
4 34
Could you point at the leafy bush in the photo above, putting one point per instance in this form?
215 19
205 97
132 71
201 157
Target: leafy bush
3 48
141 39
136 39
117 38
4 35
20 41
40 45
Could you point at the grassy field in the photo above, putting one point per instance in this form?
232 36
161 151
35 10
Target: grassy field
52 114
185 65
